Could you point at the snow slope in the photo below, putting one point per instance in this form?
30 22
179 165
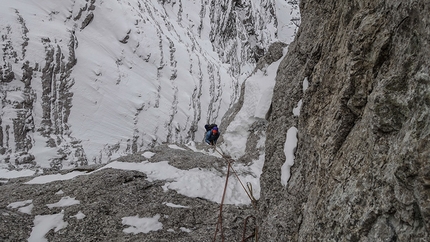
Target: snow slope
88 81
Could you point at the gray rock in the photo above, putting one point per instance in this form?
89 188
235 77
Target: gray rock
108 195
361 169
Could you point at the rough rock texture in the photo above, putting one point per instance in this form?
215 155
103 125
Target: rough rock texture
108 195
362 165
239 28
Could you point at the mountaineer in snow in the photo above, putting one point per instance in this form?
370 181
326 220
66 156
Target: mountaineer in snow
212 134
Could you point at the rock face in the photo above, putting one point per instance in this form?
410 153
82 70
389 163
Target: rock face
362 165
99 203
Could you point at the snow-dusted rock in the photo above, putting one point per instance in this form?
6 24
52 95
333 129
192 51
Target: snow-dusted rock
85 82
173 196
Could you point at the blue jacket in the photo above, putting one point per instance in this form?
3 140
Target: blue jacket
210 137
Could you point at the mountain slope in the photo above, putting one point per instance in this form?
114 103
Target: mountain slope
168 193
84 82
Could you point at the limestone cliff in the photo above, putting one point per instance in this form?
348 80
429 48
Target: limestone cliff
362 170
86 81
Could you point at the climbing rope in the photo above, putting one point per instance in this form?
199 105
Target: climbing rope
249 186
220 209
248 192
254 234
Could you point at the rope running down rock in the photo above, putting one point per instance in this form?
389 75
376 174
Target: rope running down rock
248 191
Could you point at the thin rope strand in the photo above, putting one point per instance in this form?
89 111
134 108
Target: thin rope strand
221 205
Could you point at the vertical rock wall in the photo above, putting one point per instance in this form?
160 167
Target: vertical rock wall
362 164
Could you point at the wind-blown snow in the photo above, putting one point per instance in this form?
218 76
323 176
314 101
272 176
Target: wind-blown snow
257 99
289 149
64 202
55 177
195 182
79 215
44 223
142 225
19 204
296 110
175 205
288 16
175 147
305 84
59 192
27 209
8 174
22 206
148 154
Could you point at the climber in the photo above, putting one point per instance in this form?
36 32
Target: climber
212 135
210 127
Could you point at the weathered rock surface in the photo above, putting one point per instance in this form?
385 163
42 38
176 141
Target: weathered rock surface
108 195
362 165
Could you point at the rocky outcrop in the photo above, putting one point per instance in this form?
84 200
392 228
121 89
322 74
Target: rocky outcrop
239 29
99 201
361 171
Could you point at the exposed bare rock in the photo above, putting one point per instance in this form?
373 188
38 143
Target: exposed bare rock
87 20
361 169
237 30
6 73
104 197
273 54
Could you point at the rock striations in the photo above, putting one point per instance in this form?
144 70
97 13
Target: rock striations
86 81
362 165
